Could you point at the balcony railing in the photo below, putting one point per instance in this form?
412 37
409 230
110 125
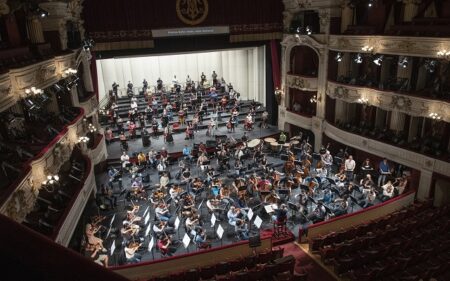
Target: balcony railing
401 155
390 101
301 82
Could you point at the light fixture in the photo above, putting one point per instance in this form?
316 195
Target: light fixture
443 54
430 65
83 139
367 48
378 60
370 3
339 57
403 61
69 71
358 58
435 116
33 91
363 101
313 99
50 183
92 128
308 30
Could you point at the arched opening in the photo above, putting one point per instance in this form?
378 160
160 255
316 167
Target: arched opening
304 61
73 35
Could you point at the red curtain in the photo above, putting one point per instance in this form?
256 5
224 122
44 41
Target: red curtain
275 64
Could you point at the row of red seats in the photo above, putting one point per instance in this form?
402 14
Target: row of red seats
270 263
390 252
359 230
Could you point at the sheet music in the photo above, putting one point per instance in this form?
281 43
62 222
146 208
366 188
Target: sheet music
186 240
151 244
250 214
268 209
113 248
147 218
213 220
220 231
258 222
146 210
274 206
177 222
147 231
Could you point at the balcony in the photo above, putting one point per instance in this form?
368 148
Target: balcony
393 45
29 167
389 100
401 155
297 119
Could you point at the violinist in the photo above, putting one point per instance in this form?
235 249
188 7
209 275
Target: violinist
192 222
388 191
272 198
164 181
225 192
401 184
131 215
93 252
201 240
233 215
90 231
157 197
202 162
187 206
162 212
197 183
130 252
163 227
174 192
367 182
165 246
129 231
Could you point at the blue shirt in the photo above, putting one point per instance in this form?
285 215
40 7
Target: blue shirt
186 151
384 167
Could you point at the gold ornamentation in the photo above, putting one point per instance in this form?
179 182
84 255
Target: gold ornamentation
402 103
340 93
192 12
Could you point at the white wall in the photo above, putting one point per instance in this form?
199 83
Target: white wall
244 68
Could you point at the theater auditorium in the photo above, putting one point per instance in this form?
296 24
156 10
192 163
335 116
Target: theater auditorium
225 140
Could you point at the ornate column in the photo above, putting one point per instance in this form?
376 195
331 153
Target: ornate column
4 8
346 16
424 184
340 111
413 127
405 72
87 78
57 20
410 9
397 122
34 29
324 20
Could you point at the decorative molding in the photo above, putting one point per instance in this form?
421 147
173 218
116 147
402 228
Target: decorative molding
301 82
4 8
23 200
395 45
391 101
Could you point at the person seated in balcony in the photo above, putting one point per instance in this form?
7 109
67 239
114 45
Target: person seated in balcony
296 107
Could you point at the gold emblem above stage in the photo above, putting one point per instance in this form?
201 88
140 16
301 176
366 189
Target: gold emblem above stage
192 12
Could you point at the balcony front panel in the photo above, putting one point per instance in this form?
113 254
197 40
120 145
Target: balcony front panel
403 156
298 120
391 101
90 105
301 82
395 45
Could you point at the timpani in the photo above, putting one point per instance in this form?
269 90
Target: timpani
253 143
286 146
294 143
275 146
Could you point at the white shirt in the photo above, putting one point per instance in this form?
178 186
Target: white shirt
125 158
350 165
164 181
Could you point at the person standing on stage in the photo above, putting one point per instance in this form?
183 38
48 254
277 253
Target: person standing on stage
349 168
265 119
384 170
181 116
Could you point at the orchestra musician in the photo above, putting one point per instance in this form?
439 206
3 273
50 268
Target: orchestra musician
201 240
388 191
166 245
92 251
90 231
162 212
130 252
384 170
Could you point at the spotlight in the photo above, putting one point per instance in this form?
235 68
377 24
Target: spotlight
378 60
430 65
403 61
338 57
308 30
370 3
358 58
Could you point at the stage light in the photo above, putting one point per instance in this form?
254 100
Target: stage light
339 57
378 60
430 65
358 58
403 61
308 30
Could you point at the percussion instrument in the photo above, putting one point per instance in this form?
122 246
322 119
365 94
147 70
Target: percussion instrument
253 143
295 142
275 146
269 140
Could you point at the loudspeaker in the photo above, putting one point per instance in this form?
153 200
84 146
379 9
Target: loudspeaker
254 241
